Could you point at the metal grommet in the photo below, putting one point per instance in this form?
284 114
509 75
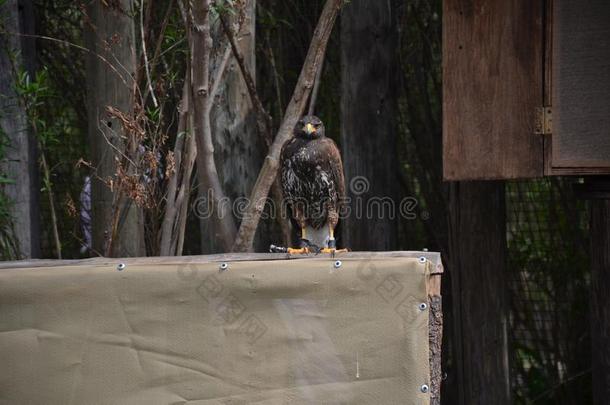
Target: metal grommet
338 264
121 266
423 306
224 266
422 259
424 388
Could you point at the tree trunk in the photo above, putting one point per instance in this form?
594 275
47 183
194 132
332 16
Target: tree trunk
479 287
368 124
110 70
20 164
239 152
600 299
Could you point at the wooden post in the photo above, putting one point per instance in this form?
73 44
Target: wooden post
599 192
368 123
435 331
600 299
20 164
480 310
110 37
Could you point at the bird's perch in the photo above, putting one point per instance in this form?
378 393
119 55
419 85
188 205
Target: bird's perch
372 315
296 107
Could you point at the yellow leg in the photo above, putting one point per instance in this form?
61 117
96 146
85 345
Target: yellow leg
302 250
333 249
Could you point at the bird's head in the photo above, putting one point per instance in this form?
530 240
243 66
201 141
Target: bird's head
309 127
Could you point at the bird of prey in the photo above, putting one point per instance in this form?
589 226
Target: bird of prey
313 184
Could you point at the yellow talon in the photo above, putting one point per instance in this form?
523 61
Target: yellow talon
333 251
298 251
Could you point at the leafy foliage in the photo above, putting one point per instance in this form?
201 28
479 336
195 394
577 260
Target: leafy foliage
9 246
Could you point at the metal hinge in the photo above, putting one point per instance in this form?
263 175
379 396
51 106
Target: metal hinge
544 121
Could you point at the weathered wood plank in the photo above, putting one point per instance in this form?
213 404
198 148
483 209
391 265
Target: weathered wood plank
435 332
600 299
581 84
492 84
369 121
479 301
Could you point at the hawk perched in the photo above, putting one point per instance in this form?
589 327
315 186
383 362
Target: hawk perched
313 184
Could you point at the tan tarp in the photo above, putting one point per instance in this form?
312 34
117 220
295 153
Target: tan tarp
260 332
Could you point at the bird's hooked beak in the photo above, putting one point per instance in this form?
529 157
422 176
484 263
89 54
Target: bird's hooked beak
310 129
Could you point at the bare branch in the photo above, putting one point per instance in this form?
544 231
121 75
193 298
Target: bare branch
171 207
316 89
185 191
226 55
160 38
201 45
185 152
145 55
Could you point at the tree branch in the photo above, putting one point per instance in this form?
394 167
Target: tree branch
183 196
201 45
316 90
185 152
171 207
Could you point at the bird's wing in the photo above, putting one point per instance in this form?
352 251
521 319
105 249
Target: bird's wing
334 165
288 177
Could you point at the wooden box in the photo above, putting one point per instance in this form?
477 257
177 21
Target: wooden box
526 88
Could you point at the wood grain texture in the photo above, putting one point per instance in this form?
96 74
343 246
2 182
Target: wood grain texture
20 164
435 332
492 84
110 66
478 278
550 170
600 299
581 84
369 121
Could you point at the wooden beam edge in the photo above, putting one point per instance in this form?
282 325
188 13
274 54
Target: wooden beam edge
231 257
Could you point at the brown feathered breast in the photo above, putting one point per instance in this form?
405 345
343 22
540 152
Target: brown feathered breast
312 178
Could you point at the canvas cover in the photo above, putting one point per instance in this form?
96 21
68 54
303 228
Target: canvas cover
307 331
